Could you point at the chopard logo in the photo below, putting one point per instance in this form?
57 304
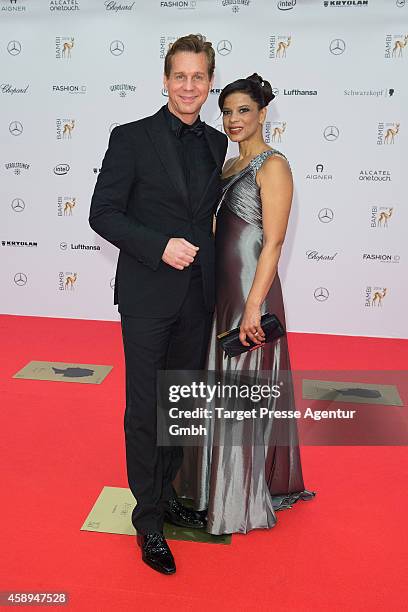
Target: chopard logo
6 88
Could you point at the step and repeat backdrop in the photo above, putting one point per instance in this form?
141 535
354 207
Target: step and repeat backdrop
71 70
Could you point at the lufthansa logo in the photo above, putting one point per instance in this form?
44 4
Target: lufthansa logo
224 47
18 205
321 294
16 128
117 47
275 91
325 215
337 46
400 3
331 133
14 47
63 246
20 279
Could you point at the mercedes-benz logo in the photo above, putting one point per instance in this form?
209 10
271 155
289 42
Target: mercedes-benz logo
112 126
337 46
224 47
117 47
14 47
18 205
20 279
63 246
400 3
331 133
325 215
16 128
321 294
112 283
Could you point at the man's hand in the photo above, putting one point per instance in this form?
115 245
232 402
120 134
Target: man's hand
179 253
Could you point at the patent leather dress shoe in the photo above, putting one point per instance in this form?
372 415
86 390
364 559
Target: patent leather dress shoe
177 514
156 553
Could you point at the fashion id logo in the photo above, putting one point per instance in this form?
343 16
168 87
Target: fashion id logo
180 4
69 88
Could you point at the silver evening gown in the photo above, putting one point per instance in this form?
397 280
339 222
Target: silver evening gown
242 484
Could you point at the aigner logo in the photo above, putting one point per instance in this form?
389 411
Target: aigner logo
325 215
320 174
14 47
224 47
116 47
18 205
337 46
14 6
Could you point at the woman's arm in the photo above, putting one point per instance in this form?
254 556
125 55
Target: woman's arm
276 191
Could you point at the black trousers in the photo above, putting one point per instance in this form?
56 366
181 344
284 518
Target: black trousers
178 342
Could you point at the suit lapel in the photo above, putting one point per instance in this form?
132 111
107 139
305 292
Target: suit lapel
211 137
162 139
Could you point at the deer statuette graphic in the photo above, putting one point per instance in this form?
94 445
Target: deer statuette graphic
383 217
282 46
399 45
66 49
68 206
68 127
391 133
70 281
378 297
277 132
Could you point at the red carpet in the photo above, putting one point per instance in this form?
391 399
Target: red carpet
61 443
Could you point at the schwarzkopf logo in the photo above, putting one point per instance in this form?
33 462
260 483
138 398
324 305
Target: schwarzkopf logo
224 47
18 205
116 47
20 279
180 4
377 93
6 88
331 133
286 5
16 128
111 5
337 46
61 169
321 294
123 89
64 5
14 6
71 89
325 215
14 47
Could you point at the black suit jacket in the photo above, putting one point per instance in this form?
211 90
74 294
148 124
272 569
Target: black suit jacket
140 201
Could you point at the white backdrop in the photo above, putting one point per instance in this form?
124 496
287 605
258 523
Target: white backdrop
71 69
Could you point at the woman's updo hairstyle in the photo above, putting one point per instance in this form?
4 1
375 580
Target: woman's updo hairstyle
258 90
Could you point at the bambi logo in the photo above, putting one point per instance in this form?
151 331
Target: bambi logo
277 131
70 280
383 217
68 127
67 47
378 297
399 45
65 128
278 46
63 47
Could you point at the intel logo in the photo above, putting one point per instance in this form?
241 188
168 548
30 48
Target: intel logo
286 5
61 169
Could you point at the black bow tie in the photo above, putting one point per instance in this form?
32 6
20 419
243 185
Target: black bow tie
197 129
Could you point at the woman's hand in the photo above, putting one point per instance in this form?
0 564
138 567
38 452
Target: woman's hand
250 327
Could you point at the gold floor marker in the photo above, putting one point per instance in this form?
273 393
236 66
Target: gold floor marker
58 371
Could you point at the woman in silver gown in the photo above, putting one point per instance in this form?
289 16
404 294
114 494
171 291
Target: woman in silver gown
252 468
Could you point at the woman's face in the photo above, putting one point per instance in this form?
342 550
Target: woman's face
241 116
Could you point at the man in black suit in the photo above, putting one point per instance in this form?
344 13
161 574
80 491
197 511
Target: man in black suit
154 199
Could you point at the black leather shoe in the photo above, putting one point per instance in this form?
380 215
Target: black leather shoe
156 553
177 514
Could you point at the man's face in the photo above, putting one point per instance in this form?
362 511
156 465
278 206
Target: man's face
188 84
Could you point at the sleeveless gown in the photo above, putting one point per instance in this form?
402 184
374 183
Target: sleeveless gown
242 484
